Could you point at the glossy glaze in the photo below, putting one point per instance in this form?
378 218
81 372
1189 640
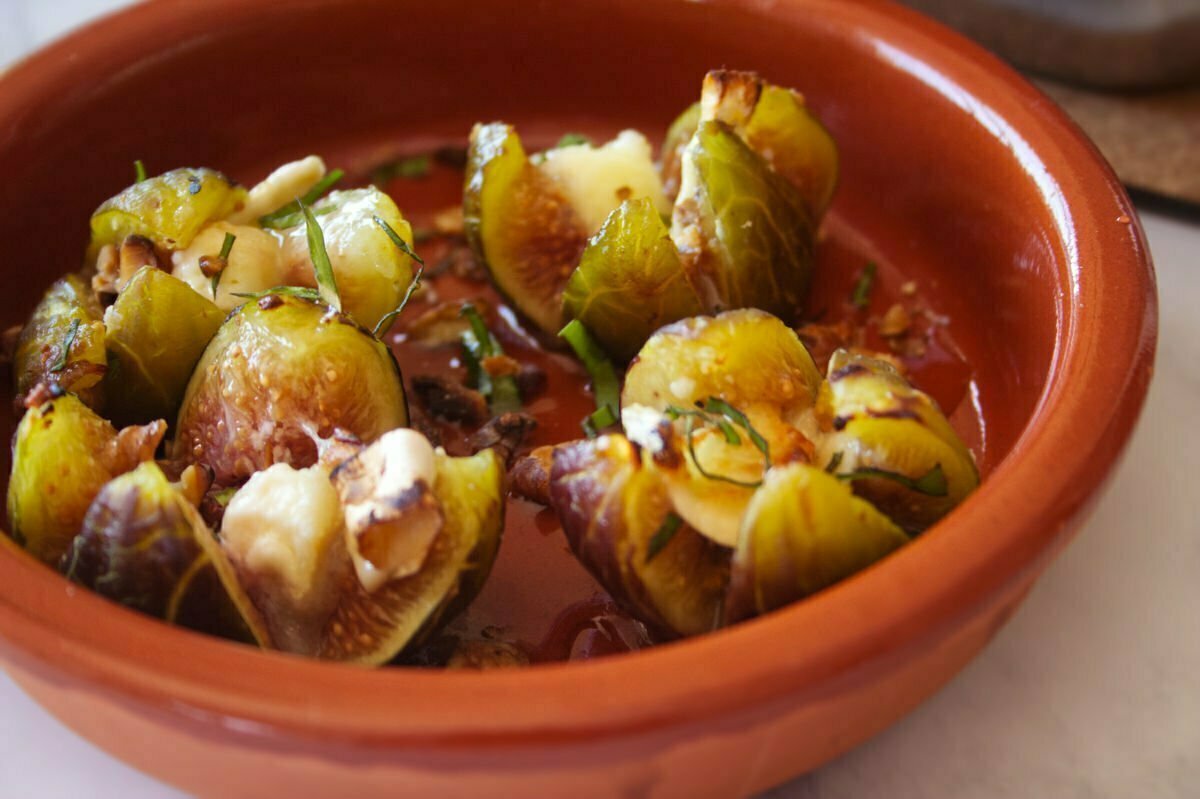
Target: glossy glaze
951 165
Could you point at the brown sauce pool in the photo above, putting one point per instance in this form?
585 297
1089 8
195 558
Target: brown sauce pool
539 597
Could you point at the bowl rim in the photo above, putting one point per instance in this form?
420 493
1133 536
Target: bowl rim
1070 443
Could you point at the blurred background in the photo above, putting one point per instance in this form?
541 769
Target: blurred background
1127 70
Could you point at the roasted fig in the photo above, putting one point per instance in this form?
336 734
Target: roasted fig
371 271
169 209
156 332
619 521
892 442
747 358
63 343
630 281
281 376
142 545
775 123
743 232
528 219
803 531
373 627
63 453
282 531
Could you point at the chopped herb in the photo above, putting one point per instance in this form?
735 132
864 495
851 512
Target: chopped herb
60 362
689 431
605 388
223 496
932 483
862 289
598 420
571 140
717 405
478 344
409 168
663 536
398 240
291 214
385 324
300 292
139 171
721 414
834 462
223 261
320 258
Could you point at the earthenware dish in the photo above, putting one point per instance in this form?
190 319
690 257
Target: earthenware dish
951 164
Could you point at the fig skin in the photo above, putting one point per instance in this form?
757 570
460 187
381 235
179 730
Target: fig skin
519 225
629 281
39 356
63 454
141 546
372 628
281 377
611 506
803 531
875 419
156 332
168 209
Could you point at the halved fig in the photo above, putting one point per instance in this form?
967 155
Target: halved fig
63 343
370 628
142 545
282 532
528 219
616 514
63 453
156 332
775 123
630 281
744 233
169 209
892 442
281 376
747 358
803 531
372 273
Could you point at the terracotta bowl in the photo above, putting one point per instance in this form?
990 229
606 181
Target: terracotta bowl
951 164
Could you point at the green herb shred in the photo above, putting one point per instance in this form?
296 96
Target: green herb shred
300 292
291 214
139 171
605 387
862 289
663 536
932 483
320 258
226 249
571 140
385 323
478 345
64 354
398 240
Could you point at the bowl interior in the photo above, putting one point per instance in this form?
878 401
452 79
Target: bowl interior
946 165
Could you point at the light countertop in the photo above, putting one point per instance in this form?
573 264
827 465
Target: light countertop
1092 689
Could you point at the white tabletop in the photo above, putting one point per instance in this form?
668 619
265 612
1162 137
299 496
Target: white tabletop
1092 690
